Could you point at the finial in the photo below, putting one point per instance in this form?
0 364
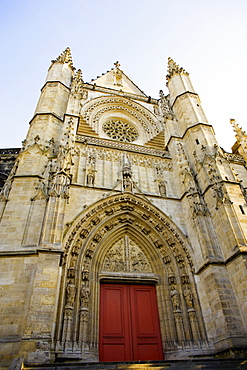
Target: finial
127 173
65 57
117 64
77 85
78 75
239 132
173 68
118 75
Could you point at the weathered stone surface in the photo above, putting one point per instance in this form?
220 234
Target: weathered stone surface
111 185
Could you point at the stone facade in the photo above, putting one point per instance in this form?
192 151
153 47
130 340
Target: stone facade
112 185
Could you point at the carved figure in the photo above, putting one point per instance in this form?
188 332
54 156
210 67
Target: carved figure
139 262
91 169
127 174
175 298
73 261
85 292
90 176
59 185
188 298
165 107
71 291
114 260
162 188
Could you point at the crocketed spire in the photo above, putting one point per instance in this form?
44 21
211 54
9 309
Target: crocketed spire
173 68
65 57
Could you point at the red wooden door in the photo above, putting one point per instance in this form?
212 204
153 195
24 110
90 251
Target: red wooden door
129 323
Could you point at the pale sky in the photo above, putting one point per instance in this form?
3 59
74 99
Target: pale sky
208 38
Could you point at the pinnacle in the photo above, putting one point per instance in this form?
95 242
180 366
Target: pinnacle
238 130
65 57
79 75
173 68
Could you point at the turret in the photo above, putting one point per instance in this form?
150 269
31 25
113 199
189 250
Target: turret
48 118
184 100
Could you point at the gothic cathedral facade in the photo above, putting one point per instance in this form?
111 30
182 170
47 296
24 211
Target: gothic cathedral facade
123 226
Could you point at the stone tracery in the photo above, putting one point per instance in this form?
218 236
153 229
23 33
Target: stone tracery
120 130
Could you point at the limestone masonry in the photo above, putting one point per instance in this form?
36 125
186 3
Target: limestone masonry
114 187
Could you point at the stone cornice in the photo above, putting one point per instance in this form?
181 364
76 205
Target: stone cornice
184 93
55 81
45 114
108 90
188 128
221 263
121 146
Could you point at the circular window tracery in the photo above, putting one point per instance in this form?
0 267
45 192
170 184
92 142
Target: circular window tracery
120 130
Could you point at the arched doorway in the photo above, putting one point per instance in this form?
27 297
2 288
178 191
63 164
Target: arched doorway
129 323
129 320
124 240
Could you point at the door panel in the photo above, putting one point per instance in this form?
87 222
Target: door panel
114 324
145 323
129 324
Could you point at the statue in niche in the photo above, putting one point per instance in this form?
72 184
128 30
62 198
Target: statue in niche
85 292
188 297
73 261
70 290
90 177
160 181
175 298
162 188
127 173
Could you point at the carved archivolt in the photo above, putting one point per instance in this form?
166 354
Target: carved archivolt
125 237
148 220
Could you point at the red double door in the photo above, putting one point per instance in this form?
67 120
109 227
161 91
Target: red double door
129 323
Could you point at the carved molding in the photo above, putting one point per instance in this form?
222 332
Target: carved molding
140 209
121 104
121 145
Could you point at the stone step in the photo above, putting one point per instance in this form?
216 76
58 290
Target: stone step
193 364
157 142
85 129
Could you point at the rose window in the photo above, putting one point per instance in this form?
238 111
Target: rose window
120 130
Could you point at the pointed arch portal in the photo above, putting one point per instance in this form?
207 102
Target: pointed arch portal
125 247
129 323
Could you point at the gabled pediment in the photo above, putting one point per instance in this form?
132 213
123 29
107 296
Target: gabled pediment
116 79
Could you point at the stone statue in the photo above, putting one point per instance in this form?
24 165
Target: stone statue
71 291
175 299
85 292
188 298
